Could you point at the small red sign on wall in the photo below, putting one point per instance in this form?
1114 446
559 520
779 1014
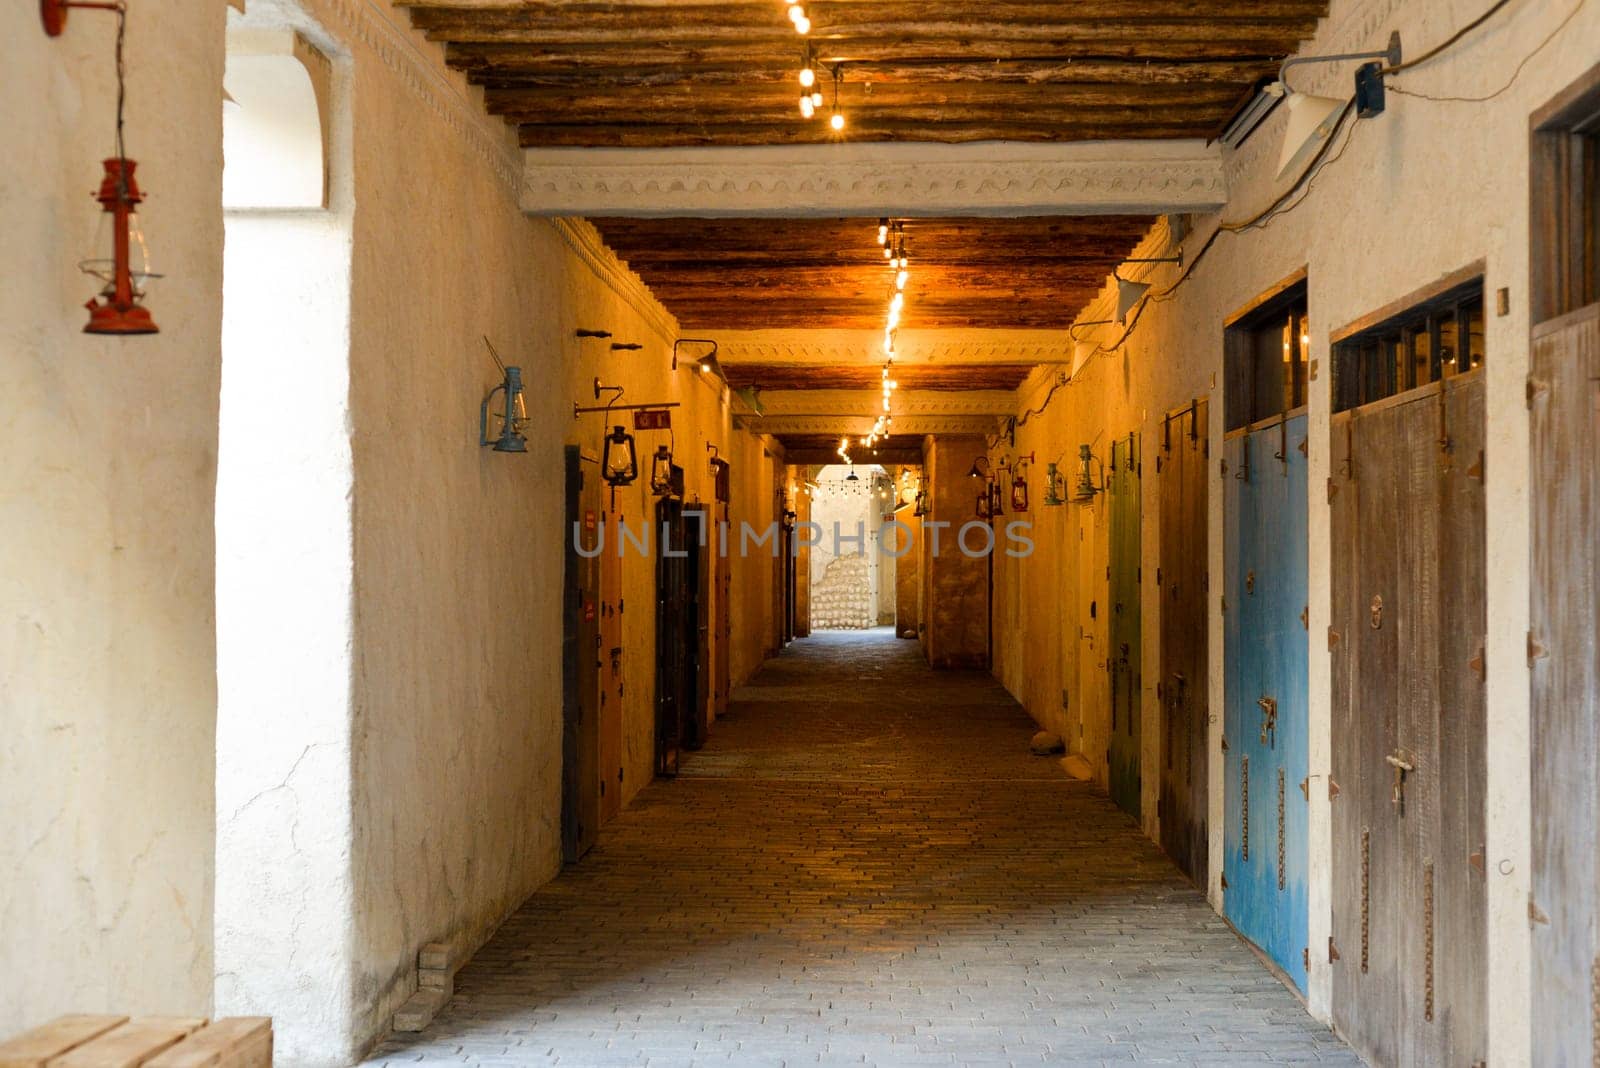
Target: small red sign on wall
588 611
591 522
652 420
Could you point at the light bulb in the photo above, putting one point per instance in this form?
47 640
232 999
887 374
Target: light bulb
894 318
888 254
838 120
883 231
816 98
796 13
893 385
807 108
803 25
902 278
886 404
898 302
808 78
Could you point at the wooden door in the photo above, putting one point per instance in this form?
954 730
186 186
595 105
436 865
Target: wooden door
580 662
1408 729
672 652
612 662
1182 688
1265 730
723 627
1123 756
1565 656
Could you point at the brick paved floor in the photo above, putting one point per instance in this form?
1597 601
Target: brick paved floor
866 866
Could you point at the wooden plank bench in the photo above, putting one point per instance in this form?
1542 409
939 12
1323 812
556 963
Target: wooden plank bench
144 1042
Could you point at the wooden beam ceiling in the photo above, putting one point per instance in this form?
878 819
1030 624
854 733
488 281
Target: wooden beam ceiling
732 274
645 73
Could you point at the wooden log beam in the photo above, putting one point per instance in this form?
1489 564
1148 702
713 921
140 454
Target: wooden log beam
691 135
515 67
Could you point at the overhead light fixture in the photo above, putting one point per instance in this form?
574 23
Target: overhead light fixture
619 463
710 365
1312 119
980 468
883 231
1129 294
682 341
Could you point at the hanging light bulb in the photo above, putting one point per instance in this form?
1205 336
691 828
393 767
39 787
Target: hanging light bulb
808 77
807 108
796 13
883 231
816 99
901 279
837 122
898 302
802 25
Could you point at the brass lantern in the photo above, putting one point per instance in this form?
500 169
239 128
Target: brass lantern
985 504
619 464
1053 485
997 501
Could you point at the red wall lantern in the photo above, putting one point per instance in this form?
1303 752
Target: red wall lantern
119 308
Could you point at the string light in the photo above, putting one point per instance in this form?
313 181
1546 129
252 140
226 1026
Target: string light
807 108
837 122
883 231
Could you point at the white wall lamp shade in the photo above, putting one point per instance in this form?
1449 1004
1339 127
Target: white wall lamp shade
1129 294
1312 120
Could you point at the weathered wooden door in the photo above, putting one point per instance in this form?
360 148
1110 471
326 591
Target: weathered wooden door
612 681
1182 688
1565 495
672 649
1265 731
1123 756
580 662
1409 903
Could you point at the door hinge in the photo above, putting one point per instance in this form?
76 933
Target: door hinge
1305 618
1304 446
1536 649
1333 788
1224 743
1535 389
1332 489
1333 638
1478 666
1305 958
1305 788
1475 469
1333 950
1536 914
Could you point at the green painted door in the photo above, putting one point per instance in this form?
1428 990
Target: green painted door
1123 656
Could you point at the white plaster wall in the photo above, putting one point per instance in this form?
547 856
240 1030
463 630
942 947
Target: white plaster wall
1421 191
107 656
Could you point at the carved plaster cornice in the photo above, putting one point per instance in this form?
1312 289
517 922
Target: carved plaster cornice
584 241
905 426
836 347
419 65
997 178
784 404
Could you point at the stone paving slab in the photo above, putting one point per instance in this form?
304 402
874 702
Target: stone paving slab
866 866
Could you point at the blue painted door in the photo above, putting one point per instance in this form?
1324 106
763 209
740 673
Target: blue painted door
1267 690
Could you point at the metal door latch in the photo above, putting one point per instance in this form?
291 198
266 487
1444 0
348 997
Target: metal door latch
1402 767
1269 720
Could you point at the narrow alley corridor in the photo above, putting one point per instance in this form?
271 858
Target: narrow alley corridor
865 865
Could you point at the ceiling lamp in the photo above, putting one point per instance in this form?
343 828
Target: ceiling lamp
710 365
1129 294
1312 119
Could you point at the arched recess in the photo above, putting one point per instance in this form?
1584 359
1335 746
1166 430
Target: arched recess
284 905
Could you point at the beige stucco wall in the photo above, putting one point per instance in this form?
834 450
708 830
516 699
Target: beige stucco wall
1421 191
107 664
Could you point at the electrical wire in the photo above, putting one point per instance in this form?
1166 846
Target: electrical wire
1551 36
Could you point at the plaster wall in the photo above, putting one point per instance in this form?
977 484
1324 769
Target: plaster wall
842 569
398 772
108 662
1425 189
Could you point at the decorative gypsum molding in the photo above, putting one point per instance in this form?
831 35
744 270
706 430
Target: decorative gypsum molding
875 178
398 49
584 242
974 352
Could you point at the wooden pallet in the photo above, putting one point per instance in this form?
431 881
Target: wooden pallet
145 1042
